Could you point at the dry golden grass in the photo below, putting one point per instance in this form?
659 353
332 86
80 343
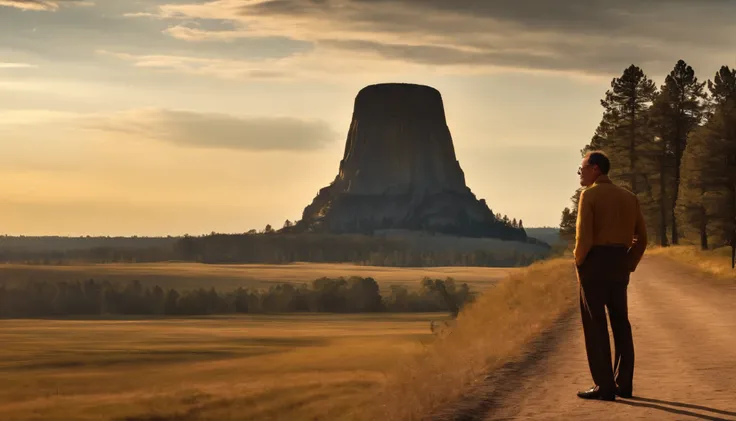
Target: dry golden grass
488 333
230 277
296 367
301 367
713 262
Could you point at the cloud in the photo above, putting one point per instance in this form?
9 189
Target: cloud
5 65
220 67
594 37
310 65
139 15
44 5
213 130
184 128
186 33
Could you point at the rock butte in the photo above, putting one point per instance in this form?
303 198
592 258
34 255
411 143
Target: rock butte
399 171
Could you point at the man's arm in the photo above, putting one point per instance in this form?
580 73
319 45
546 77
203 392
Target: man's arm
583 229
640 244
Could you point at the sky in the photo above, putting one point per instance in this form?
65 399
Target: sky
172 117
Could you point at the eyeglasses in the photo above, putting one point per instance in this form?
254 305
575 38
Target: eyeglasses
580 169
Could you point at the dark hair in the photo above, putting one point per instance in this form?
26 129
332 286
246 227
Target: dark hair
601 160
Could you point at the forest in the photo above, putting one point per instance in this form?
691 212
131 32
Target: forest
674 146
273 247
340 295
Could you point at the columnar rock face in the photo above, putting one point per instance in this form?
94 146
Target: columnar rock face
399 171
399 143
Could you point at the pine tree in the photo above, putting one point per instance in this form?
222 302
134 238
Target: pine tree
677 111
567 225
624 131
722 88
708 202
662 189
717 164
569 218
723 138
692 213
603 133
626 135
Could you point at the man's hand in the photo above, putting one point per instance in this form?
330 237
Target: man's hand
628 254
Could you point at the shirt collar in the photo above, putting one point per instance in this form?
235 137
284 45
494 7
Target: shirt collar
602 179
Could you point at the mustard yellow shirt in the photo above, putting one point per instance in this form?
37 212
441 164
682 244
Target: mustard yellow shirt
609 214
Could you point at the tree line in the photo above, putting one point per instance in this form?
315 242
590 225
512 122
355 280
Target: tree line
64 243
340 248
339 295
674 146
278 248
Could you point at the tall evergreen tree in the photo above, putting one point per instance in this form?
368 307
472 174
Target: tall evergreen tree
626 136
723 87
603 133
661 181
723 126
626 125
697 163
708 201
677 111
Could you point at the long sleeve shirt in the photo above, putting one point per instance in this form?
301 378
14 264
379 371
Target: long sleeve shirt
609 214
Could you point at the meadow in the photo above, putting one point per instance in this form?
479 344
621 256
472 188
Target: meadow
316 367
274 367
182 276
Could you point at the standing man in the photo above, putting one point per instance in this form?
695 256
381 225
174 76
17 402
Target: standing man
610 241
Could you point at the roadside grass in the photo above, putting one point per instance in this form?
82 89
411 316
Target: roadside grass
715 262
488 333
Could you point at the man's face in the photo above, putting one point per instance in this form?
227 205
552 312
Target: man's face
588 173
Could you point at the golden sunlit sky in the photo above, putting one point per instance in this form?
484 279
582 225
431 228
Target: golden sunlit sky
155 117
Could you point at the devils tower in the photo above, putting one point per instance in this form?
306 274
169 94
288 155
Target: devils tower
399 171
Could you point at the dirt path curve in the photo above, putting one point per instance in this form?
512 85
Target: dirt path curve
685 344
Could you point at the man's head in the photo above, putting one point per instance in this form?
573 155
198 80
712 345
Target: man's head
594 164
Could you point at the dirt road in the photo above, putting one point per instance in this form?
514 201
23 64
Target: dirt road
685 343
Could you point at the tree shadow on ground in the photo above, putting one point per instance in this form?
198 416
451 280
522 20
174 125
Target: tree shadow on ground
665 406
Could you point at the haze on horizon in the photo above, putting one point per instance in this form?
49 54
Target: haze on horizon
165 117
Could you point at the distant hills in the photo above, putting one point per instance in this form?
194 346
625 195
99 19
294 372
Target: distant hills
550 235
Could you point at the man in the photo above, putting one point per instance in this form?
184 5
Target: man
609 244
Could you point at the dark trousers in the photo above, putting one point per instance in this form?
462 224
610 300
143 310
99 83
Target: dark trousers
604 278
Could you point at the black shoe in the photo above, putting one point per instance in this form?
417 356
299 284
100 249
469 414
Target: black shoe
624 393
596 393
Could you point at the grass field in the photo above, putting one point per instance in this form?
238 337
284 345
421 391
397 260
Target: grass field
716 263
279 367
183 276
305 367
